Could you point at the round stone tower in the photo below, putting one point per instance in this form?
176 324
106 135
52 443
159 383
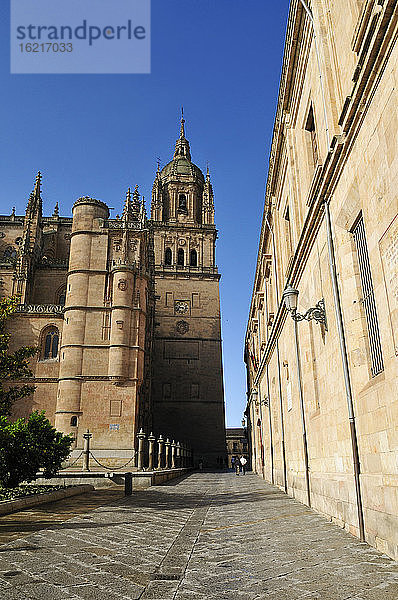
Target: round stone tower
87 269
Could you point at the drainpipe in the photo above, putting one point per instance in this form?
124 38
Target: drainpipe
339 315
278 358
302 412
346 371
259 341
271 441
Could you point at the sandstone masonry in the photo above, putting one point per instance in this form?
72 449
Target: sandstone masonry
125 313
323 414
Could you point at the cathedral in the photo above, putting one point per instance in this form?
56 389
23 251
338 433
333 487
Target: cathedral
125 314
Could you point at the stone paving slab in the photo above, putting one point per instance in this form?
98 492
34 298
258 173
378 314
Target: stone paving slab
211 536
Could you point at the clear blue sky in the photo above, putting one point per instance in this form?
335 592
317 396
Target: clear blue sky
97 134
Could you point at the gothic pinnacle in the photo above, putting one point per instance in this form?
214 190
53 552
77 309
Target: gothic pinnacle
136 202
37 188
56 210
127 206
34 206
182 130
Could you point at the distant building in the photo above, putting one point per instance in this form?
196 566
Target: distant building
237 445
322 392
125 313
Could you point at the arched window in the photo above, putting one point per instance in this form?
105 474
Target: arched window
182 204
73 421
50 342
168 257
61 296
194 259
180 257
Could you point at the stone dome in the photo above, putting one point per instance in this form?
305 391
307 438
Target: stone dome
180 165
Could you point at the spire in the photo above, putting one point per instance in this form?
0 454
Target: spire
136 202
182 144
127 210
208 200
37 188
182 130
156 202
56 210
34 207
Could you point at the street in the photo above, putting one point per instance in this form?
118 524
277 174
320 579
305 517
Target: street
209 536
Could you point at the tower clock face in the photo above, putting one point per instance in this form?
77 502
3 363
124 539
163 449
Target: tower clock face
181 307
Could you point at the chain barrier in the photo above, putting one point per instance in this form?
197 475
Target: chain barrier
73 463
111 468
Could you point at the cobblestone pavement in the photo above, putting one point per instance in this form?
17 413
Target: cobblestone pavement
209 536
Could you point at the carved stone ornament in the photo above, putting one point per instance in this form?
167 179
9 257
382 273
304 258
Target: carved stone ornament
2 234
182 327
67 236
40 308
181 307
194 243
181 242
133 245
122 285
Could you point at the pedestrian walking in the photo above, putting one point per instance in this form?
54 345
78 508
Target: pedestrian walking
243 462
237 465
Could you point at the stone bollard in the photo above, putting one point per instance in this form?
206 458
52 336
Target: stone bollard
178 455
173 454
128 484
160 451
151 440
86 451
141 438
167 457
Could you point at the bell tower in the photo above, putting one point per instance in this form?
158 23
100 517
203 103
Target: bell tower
188 396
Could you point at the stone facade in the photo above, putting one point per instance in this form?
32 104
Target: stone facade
94 291
236 444
187 357
323 421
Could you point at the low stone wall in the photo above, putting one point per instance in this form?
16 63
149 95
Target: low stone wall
10 506
141 479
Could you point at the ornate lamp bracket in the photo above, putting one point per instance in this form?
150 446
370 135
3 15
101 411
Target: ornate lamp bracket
316 313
